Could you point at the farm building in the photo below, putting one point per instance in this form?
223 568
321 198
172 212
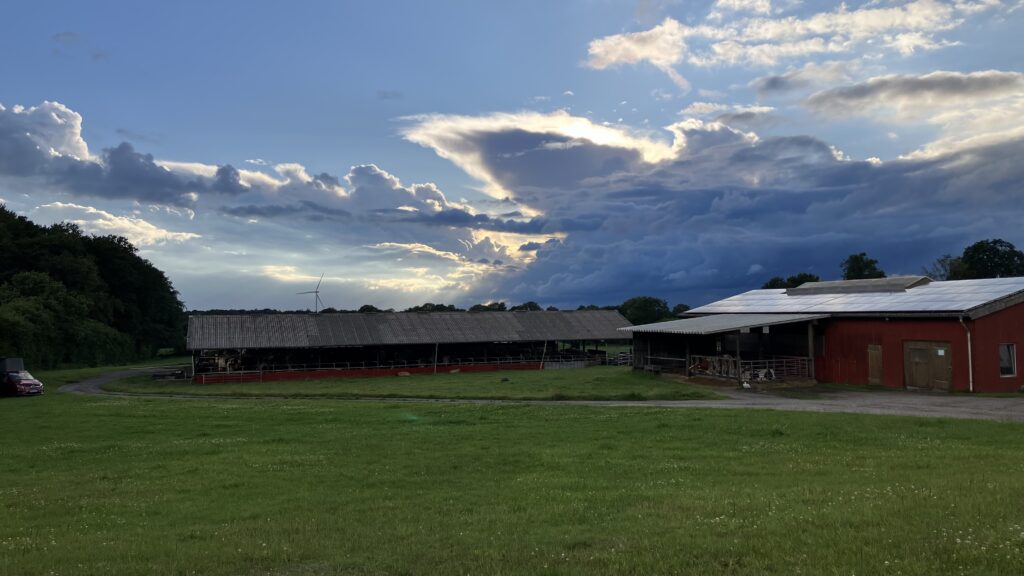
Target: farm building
900 332
284 346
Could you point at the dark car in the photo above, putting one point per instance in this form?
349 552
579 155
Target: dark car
20 383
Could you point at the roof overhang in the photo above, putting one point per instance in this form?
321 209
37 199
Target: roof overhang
721 323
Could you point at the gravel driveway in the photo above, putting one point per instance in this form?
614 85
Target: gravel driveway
895 402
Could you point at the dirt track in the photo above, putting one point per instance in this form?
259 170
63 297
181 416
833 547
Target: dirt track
895 402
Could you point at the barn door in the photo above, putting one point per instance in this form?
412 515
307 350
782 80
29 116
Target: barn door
927 365
874 364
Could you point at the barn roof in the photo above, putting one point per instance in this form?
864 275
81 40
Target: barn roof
972 298
334 330
719 323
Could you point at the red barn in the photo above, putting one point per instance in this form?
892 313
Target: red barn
901 332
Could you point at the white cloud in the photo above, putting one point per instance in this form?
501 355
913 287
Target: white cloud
721 7
52 127
136 230
757 38
662 46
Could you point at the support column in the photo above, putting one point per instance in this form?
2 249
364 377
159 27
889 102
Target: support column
739 365
687 371
810 349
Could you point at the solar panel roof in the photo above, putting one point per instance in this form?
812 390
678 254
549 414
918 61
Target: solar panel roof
951 297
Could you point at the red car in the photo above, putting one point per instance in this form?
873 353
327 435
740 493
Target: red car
20 383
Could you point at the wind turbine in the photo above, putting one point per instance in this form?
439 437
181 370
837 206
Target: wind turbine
317 302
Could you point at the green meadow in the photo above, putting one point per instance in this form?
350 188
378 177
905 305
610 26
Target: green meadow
598 383
115 485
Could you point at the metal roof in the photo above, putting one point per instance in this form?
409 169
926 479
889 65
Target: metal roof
956 297
333 330
890 284
719 323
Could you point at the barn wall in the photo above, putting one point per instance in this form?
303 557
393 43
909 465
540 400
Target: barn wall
1003 327
845 355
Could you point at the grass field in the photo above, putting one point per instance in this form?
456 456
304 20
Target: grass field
54 379
93 485
599 383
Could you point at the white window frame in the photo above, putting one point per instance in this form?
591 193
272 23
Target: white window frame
1013 360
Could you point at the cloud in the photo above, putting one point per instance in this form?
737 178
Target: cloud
138 231
692 223
914 93
721 7
971 110
752 36
497 148
389 95
66 38
807 76
662 46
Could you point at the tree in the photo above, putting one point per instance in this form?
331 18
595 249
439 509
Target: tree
490 307
680 309
946 267
526 306
992 259
645 310
792 281
859 266
430 307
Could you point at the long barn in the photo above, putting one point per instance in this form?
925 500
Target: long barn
900 332
282 346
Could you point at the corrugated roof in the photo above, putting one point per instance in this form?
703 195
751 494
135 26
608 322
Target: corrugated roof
949 297
330 330
719 323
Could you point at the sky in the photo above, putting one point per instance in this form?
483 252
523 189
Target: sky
570 152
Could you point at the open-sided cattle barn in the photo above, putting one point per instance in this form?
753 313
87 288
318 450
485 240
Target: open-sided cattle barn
905 331
280 346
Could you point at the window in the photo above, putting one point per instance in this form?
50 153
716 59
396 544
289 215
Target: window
1007 359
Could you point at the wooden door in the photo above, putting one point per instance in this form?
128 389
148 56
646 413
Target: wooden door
928 365
874 364
942 366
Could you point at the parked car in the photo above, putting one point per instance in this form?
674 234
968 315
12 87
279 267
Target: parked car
20 383
15 380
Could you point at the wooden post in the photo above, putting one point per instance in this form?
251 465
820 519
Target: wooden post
739 364
687 371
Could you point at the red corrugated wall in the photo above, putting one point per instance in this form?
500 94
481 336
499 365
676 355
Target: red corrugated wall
988 332
846 342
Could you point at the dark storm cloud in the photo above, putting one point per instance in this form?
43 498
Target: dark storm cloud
128 174
228 180
937 87
692 229
311 210
521 159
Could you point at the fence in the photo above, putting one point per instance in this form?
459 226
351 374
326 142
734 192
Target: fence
774 368
273 372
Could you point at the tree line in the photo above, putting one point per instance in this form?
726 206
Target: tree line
68 298
994 258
